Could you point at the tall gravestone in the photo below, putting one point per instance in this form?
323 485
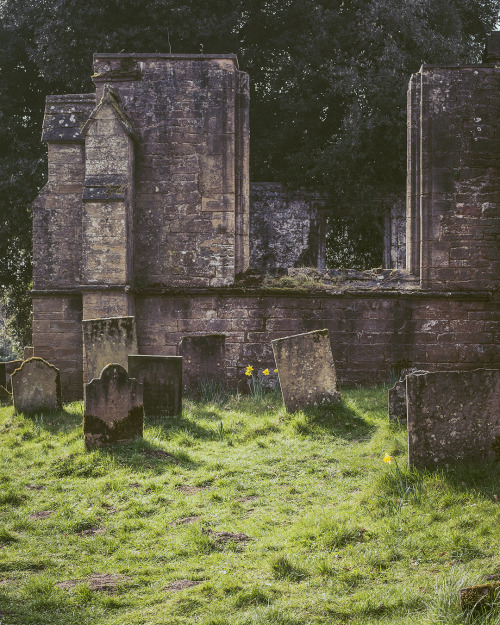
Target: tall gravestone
113 411
107 341
36 387
204 358
306 369
162 380
453 415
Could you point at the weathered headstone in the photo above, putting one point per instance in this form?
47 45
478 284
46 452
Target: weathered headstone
306 369
113 408
6 370
28 352
36 386
161 377
453 415
107 341
397 402
204 358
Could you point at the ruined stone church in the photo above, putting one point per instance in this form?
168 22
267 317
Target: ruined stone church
146 213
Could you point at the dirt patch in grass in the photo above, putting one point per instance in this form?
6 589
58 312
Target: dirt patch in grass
35 487
159 453
248 498
43 514
97 531
185 520
190 490
135 485
181 584
99 582
225 537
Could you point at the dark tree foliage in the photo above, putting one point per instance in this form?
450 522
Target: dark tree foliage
328 80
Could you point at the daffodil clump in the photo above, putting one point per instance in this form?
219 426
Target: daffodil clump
261 380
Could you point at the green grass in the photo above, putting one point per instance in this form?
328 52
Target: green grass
335 534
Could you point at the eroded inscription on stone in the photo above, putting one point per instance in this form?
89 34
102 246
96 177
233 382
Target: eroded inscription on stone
36 386
204 358
113 411
108 341
453 415
306 369
162 380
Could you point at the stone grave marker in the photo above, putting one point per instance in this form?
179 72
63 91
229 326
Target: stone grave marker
161 377
36 387
204 358
397 402
453 415
306 369
6 370
113 408
106 341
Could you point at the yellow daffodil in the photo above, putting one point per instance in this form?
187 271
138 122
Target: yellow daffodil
266 372
249 368
248 372
276 371
387 458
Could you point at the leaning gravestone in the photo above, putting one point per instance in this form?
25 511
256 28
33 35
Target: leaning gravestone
453 415
306 369
397 399
36 387
204 358
107 341
162 380
113 408
6 371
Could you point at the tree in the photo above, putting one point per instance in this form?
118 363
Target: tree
328 80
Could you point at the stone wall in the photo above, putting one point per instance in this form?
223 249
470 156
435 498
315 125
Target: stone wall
371 332
287 228
453 216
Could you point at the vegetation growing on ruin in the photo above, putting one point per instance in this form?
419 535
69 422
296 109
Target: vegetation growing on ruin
323 530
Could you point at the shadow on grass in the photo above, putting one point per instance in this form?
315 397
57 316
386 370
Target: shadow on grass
170 425
483 478
339 420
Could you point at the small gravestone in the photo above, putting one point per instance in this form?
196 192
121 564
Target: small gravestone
204 358
476 598
397 403
36 387
106 341
397 398
453 415
306 369
28 353
113 408
6 370
161 377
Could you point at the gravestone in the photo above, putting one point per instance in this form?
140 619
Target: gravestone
113 408
106 341
306 369
453 415
204 358
6 370
161 377
36 387
397 402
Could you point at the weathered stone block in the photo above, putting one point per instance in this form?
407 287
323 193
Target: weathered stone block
36 386
453 415
306 369
204 358
161 377
479 597
113 411
107 341
397 403
28 352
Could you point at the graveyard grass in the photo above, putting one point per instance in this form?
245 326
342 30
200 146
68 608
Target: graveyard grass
336 535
